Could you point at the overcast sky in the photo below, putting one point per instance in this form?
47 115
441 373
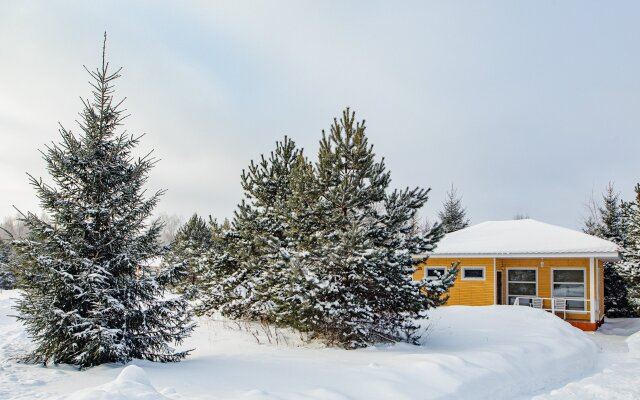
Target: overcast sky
525 106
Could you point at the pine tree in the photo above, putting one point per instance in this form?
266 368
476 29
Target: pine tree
89 297
325 249
192 244
258 248
360 270
629 268
609 223
453 215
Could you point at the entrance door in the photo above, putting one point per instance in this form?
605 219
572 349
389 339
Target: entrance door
499 287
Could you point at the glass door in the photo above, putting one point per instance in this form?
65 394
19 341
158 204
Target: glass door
522 283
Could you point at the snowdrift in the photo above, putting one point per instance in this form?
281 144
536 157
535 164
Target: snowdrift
496 352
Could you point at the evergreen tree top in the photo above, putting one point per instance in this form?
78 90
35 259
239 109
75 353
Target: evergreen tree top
453 215
348 173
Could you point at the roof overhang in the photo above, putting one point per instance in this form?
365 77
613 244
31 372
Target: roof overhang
604 256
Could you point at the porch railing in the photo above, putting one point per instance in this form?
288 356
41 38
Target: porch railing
528 301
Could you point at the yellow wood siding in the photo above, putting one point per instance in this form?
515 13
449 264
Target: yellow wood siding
466 292
481 292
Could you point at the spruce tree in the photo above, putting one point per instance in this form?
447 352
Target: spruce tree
88 295
609 223
192 244
629 268
361 268
453 215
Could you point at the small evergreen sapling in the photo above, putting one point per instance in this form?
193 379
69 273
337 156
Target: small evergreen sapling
88 295
453 215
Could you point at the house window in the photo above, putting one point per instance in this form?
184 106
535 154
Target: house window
473 273
522 283
570 284
434 272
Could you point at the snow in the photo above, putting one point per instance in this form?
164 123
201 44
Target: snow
618 369
132 383
518 237
497 352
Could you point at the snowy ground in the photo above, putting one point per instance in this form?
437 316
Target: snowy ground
498 352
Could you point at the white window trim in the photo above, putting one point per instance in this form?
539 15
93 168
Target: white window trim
430 278
508 281
484 273
584 282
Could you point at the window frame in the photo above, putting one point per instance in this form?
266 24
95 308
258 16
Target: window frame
510 281
584 283
427 268
480 267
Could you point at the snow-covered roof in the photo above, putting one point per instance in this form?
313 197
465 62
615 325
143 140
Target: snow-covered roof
522 238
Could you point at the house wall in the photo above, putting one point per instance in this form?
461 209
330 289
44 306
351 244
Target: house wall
466 292
477 293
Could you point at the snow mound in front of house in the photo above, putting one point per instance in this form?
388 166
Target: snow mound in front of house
494 352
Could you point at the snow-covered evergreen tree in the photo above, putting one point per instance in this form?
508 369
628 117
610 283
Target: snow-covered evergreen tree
258 248
192 244
7 277
453 215
361 267
629 268
609 222
89 296
325 249
218 281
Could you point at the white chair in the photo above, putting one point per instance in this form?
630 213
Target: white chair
536 302
560 305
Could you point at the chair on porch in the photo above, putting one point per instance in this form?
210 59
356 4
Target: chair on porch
560 305
536 302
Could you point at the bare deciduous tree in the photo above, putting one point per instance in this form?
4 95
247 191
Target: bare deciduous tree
171 223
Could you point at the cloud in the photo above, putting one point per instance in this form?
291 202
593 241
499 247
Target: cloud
524 107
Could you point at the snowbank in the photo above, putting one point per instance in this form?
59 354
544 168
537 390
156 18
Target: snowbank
633 342
617 379
496 352
131 384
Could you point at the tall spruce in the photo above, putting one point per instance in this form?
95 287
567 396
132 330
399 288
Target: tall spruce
192 245
89 297
453 215
361 267
629 268
609 222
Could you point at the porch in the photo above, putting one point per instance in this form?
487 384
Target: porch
570 288
560 306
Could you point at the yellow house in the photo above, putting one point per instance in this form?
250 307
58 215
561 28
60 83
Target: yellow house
526 263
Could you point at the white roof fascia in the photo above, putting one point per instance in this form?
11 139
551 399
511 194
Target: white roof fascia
603 256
